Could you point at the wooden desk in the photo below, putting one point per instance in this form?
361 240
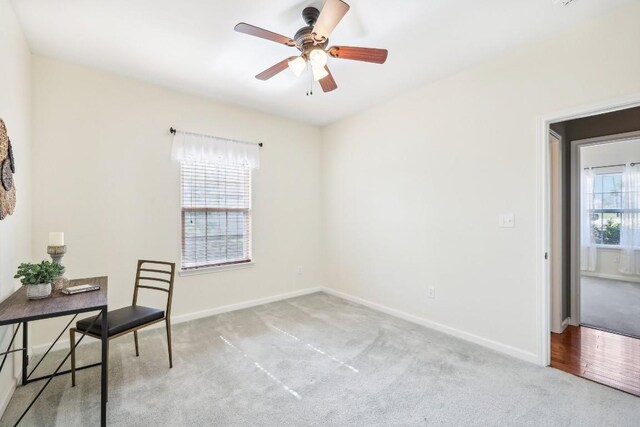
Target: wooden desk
18 309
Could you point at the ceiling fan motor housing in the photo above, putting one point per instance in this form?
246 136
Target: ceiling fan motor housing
304 36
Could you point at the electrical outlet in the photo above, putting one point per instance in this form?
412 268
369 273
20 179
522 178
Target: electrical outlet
299 270
431 292
506 220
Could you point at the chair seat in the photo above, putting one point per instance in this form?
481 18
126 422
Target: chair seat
122 319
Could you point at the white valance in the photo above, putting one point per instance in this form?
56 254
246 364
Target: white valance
194 147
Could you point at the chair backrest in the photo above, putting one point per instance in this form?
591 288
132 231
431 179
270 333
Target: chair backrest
156 272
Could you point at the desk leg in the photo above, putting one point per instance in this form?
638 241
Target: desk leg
105 371
57 371
25 351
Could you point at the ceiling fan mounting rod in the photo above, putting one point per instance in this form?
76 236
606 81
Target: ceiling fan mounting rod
310 15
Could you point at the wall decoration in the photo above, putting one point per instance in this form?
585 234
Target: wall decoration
7 169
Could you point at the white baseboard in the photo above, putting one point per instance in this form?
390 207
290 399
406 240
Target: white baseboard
622 278
563 325
572 321
239 306
7 396
64 343
476 339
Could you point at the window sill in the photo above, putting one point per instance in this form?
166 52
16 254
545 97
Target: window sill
612 247
215 269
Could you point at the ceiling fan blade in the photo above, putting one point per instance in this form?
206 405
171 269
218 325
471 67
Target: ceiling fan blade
328 83
331 14
275 69
366 54
263 34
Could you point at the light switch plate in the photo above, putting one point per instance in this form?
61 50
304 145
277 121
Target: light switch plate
506 220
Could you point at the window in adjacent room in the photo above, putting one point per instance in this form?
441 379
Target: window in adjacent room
216 214
607 213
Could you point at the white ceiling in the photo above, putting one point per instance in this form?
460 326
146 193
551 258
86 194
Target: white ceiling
190 45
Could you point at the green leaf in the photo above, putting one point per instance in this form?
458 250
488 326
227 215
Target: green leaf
33 274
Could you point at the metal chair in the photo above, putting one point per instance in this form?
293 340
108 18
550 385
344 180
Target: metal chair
132 318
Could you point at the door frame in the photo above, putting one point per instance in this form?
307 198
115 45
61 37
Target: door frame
543 210
556 254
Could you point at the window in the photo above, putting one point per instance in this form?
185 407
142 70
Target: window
216 214
606 215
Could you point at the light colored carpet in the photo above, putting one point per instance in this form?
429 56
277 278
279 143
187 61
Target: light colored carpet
612 305
318 360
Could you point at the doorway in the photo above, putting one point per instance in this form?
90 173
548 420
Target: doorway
594 287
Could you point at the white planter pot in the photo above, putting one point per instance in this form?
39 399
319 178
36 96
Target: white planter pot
42 290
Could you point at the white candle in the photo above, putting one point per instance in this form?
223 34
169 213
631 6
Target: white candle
56 238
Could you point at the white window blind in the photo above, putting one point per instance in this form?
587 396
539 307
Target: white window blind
216 214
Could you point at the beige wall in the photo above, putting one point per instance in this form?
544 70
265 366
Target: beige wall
103 175
412 188
608 259
15 110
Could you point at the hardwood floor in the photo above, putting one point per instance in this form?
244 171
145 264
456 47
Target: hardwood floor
603 357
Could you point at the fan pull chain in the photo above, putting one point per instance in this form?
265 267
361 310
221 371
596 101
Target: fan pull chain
310 91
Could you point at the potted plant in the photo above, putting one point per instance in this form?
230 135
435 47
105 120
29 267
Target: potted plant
38 278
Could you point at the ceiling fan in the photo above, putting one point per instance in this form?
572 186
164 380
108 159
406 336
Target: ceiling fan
312 42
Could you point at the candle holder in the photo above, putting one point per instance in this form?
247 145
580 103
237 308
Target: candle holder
57 253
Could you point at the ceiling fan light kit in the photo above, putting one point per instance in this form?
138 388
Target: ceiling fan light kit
297 65
318 58
312 42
